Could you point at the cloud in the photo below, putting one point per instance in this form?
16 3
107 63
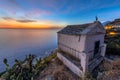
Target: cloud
25 21
51 6
8 18
36 13
17 20
52 9
11 7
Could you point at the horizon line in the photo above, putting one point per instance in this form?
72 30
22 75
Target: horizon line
33 28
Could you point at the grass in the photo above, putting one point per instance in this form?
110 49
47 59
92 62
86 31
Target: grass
110 70
56 70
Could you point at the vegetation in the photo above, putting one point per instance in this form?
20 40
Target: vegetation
109 70
113 44
56 70
26 69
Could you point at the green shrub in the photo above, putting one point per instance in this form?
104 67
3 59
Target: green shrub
26 70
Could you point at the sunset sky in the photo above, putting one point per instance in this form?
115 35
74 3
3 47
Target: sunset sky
55 13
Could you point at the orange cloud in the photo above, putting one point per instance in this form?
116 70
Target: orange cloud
13 23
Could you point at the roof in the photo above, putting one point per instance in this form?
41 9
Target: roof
79 29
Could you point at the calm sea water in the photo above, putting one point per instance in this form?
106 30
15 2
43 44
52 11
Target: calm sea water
16 43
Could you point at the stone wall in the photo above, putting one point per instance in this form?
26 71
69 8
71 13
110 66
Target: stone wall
90 43
70 65
72 44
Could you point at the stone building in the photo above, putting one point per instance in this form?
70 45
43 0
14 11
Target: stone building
81 47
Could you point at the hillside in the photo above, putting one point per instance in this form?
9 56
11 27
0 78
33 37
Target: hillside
57 71
115 22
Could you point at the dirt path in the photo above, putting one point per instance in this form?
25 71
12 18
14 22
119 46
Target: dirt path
57 71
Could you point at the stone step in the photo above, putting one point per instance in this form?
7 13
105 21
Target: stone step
95 63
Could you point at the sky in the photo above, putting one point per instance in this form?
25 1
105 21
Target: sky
55 13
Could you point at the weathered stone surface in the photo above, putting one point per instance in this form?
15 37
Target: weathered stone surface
95 63
70 65
80 42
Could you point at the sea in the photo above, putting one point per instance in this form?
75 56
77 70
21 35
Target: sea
17 43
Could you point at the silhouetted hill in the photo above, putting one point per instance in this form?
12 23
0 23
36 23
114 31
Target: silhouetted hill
105 23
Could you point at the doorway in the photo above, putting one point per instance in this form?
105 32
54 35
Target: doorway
96 48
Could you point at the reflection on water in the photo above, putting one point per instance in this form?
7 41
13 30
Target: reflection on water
16 43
